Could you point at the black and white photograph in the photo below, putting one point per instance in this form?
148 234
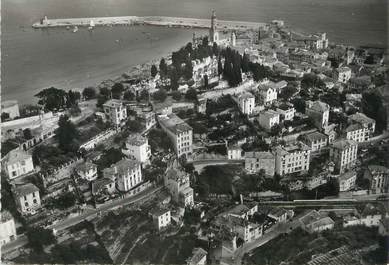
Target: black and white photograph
194 132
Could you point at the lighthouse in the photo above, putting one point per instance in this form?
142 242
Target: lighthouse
213 34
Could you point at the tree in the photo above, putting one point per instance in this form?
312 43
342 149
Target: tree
219 67
89 93
276 130
191 94
188 70
52 99
299 104
104 95
245 63
39 237
174 79
163 67
104 91
144 95
372 106
117 90
176 95
67 134
4 116
134 126
75 110
205 81
27 134
160 95
154 70
72 98
288 92
128 95
215 49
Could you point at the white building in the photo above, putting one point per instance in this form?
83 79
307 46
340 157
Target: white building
357 132
364 121
292 158
267 119
234 152
27 198
347 180
17 163
267 93
126 172
179 132
7 228
316 140
342 74
344 154
137 147
378 177
286 111
87 171
178 184
246 103
115 111
278 214
161 217
207 66
319 112
314 222
11 107
255 161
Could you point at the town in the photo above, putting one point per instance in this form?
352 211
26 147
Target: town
242 144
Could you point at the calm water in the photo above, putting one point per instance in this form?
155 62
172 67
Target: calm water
34 59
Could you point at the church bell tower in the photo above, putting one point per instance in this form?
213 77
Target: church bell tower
213 35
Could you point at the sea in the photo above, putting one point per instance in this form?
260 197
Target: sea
33 59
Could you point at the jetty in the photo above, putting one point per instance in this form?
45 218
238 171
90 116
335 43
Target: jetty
152 21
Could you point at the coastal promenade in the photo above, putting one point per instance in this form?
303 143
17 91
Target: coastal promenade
152 21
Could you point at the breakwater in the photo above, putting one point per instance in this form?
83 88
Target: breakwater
153 21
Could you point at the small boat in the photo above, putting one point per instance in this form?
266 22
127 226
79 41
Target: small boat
91 25
75 29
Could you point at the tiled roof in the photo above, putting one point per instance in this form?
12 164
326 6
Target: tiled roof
121 167
259 155
174 124
197 255
15 156
315 136
113 103
26 189
343 144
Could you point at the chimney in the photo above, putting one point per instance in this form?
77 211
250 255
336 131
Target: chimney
241 198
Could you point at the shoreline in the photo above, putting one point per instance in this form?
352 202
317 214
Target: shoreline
129 70
163 21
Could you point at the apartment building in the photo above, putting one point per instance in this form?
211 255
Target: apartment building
343 153
115 111
17 163
137 147
292 158
127 174
319 112
179 132
257 161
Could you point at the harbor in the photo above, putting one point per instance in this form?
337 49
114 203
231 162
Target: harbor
152 21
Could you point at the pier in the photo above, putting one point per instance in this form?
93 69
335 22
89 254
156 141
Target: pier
152 21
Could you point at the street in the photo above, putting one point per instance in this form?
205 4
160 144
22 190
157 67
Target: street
86 215
276 230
